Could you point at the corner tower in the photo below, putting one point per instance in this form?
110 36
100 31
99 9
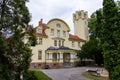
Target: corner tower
80 20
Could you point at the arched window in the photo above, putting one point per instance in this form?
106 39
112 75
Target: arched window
58 25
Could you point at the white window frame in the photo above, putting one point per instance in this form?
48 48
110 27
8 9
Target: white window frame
39 55
79 44
73 44
58 25
52 32
39 31
55 42
40 41
59 43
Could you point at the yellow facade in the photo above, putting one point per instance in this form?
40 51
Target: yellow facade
56 46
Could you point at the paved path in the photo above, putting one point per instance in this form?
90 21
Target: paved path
67 73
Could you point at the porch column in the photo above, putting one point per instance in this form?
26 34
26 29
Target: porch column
72 57
58 56
50 57
61 57
47 56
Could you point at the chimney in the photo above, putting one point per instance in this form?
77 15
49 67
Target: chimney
40 22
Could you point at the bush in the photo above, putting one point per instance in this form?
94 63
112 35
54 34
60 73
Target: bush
30 75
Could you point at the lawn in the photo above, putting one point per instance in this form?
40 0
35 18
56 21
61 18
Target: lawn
36 75
93 77
41 76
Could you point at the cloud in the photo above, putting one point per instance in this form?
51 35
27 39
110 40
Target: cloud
63 9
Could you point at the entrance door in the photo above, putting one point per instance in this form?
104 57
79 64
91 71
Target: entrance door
54 57
66 57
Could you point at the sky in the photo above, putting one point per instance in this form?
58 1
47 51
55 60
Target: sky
63 9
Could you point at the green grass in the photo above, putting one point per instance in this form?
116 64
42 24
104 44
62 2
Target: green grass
93 77
36 75
41 76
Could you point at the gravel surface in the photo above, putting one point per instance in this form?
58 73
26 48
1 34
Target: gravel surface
67 73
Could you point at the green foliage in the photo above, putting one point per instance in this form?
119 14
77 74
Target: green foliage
15 56
36 75
93 25
29 75
32 40
92 50
108 33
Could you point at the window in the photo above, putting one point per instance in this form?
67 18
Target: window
85 15
64 34
79 44
40 41
47 56
52 32
39 55
73 44
62 43
34 65
55 42
31 42
39 31
58 25
59 43
58 33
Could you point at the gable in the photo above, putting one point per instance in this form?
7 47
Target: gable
58 24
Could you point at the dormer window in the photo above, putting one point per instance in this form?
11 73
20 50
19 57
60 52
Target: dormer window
58 25
39 31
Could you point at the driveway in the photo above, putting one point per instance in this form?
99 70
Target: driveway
67 73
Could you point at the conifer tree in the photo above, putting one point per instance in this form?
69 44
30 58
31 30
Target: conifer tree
15 56
108 32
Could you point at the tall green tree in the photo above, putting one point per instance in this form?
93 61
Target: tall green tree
15 56
92 49
93 25
108 32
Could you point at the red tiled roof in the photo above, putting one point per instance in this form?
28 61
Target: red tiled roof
43 25
42 34
75 37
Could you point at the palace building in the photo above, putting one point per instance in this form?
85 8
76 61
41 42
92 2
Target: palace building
56 47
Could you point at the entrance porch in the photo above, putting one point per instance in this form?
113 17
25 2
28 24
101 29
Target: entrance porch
64 57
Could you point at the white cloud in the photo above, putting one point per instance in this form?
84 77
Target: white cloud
63 9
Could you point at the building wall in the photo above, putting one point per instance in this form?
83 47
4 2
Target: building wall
80 26
80 20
